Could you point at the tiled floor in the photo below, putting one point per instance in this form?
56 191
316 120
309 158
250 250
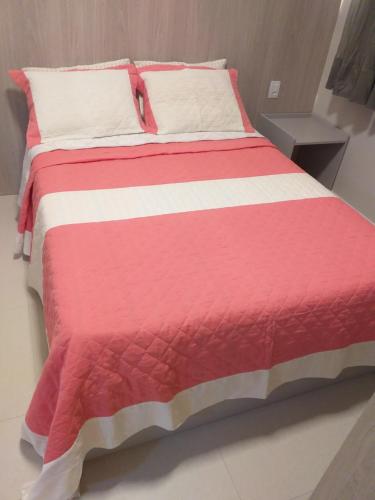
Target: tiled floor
278 452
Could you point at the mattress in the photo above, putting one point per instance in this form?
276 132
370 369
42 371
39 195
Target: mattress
178 275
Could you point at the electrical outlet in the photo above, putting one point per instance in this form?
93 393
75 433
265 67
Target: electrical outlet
274 89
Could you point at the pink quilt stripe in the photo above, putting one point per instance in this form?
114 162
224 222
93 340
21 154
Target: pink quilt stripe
258 319
156 163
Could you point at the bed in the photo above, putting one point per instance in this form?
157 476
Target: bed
178 271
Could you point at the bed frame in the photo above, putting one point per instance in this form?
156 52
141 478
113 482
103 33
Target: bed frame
236 406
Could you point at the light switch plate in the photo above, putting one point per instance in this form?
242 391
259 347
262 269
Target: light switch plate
274 89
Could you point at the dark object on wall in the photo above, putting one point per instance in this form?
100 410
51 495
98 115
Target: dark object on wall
353 70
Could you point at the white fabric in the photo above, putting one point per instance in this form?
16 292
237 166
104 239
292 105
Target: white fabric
217 64
98 205
188 100
101 65
59 479
121 140
23 242
83 104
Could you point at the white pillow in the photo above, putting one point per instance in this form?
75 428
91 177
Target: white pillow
193 100
217 64
83 104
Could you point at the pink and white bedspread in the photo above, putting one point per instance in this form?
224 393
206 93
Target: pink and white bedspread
175 276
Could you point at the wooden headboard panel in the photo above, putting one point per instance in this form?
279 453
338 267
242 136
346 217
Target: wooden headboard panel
283 40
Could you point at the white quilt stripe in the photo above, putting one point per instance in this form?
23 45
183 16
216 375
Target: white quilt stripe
127 140
59 479
77 207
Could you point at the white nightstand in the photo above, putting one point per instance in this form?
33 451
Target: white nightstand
311 142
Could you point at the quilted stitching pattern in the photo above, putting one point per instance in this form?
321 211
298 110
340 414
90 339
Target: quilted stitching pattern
138 310
164 327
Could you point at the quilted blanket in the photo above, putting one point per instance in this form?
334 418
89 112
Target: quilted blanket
175 276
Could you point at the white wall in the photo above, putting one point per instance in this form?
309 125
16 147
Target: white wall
355 181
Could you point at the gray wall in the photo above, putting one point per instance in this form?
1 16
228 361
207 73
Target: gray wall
283 40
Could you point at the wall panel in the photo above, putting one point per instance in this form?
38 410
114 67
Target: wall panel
283 40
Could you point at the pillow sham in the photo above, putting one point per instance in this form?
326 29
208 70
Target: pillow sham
191 99
80 103
217 64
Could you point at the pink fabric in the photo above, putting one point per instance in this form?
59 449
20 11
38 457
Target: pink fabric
33 136
245 119
160 304
79 165
147 106
21 80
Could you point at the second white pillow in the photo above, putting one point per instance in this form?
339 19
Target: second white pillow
191 100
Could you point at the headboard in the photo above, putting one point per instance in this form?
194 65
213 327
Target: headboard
266 40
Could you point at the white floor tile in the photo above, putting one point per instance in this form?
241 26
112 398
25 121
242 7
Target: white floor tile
13 289
281 451
180 467
17 369
18 462
8 209
275 453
